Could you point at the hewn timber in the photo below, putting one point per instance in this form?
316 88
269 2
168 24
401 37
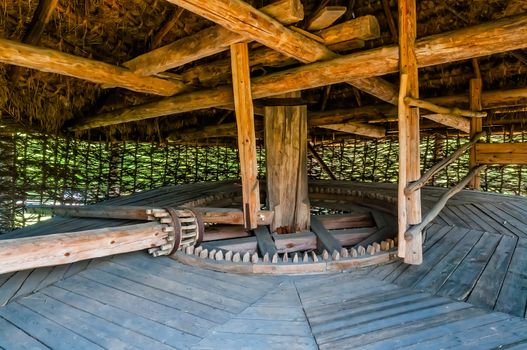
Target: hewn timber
325 240
443 110
345 37
409 138
358 128
207 42
240 17
243 102
501 153
453 121
41 17
485 39
325 17
476 125
64 248
47 60
286 161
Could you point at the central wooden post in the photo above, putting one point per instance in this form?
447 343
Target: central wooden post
409 212
286 153
243 102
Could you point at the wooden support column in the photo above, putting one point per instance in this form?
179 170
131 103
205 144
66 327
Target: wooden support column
243 102
409 212
476 126
286 152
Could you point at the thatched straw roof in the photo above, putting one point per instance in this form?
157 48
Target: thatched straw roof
116 31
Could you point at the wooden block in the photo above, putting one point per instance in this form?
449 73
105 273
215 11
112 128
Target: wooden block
336 255
189 250
376 246
325 255
361 250
274 260
254 258
325 17
385 246
285 258
370 249
198 250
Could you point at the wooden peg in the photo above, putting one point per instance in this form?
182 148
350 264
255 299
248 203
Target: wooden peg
219 255
236 257
246 257
204 253
228 256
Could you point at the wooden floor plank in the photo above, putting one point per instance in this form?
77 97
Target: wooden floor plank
12 337
255 342
44 330
513 295
460 283
486 290
12 285
141 325
435 278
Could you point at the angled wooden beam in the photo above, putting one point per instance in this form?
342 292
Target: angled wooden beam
207 42
486 39
41 17
358 128
337 37
47 60
413 102
265 241
320 161
240 17
409 206
453 121
243 103
325 240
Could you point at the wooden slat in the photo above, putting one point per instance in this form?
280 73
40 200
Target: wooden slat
241 78
501 153
325 17
485 39
513 295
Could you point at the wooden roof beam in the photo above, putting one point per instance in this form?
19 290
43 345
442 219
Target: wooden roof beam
47 60
207 42
485 39
239 17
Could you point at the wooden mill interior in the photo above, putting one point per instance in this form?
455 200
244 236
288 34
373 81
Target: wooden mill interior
228 174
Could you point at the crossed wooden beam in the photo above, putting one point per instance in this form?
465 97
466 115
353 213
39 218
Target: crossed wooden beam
239 21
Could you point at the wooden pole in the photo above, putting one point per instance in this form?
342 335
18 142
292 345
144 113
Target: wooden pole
286 159
476 126
64 248
485 39
243 102
409 152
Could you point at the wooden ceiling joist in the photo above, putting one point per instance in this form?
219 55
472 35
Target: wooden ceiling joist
47 60
207 42
357 128
486 39
240 17
342 35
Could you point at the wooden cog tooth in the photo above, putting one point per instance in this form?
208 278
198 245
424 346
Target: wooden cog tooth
377 247
254 258
314 257
212 253
236 257
370 250
274 260
219 256
266 258
344 253
285 257
354 253
246 257
198 250
325 255
385 246
391 243
153 250
295 258
361 250
335 256
204 253
306 258
167 246
228 256
189 250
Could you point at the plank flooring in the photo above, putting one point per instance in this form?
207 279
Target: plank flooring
470 292
135 301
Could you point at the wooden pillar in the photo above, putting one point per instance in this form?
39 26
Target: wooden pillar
476 126
409 212
241 82
286 153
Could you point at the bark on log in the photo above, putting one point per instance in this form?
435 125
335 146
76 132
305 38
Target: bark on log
486 39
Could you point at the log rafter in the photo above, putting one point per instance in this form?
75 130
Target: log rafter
485 39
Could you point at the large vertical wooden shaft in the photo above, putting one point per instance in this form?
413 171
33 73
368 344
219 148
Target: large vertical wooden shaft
286 152
243 102
409 121
476 126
